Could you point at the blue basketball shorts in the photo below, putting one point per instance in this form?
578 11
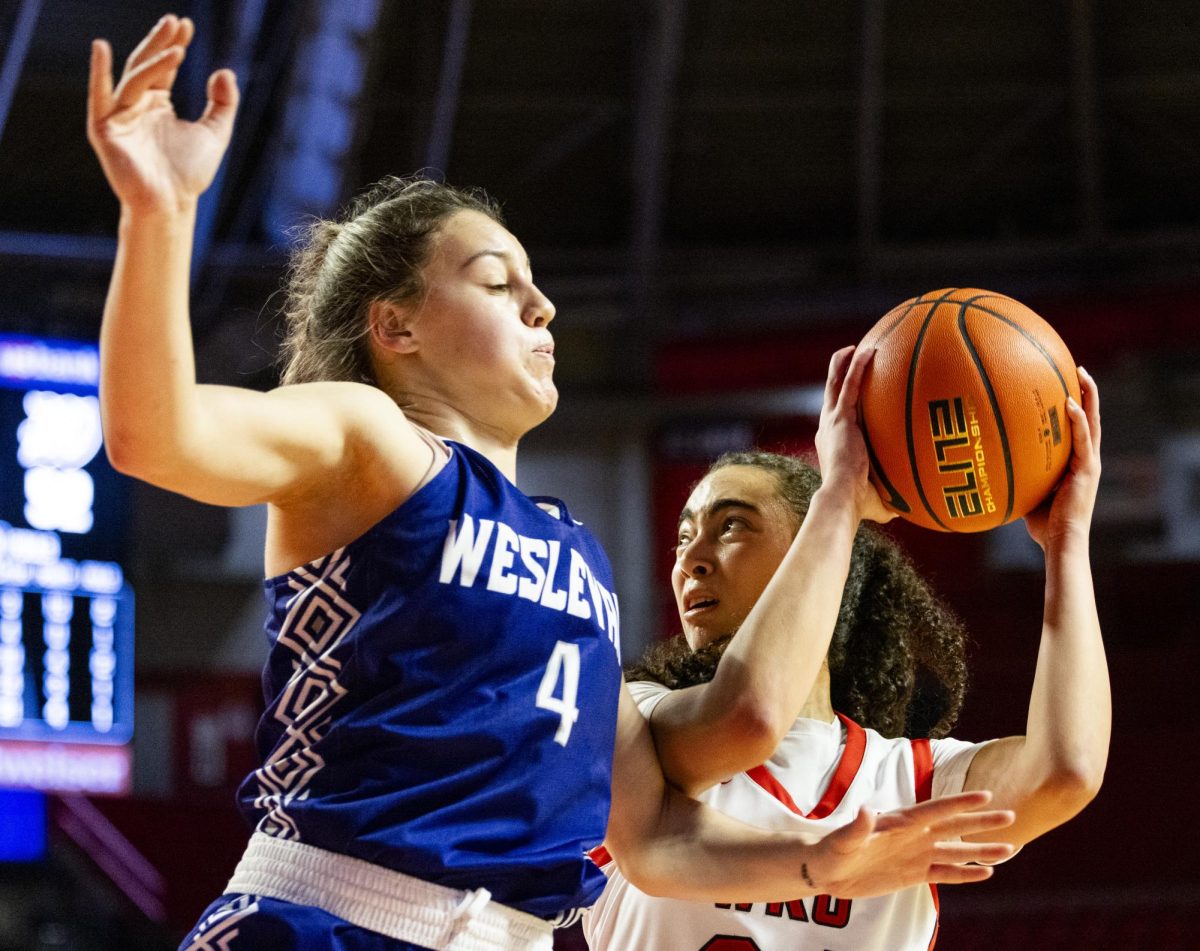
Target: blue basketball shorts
250 923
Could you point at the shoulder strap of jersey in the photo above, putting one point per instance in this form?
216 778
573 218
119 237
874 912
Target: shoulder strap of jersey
922 769
923 780
843 776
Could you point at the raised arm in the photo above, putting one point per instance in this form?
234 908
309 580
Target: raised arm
672 846
707 733
218 444
1055 769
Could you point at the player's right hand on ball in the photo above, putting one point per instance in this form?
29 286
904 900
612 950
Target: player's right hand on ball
841 448
879 854
154 160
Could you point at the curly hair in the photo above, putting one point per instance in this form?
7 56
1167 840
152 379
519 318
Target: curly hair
374 251
897 661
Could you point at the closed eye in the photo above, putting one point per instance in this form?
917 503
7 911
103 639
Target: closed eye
499 287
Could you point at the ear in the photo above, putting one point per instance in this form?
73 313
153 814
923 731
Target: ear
392 326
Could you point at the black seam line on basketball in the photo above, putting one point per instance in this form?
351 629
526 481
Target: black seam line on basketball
896 500
908 400
899 320
991 395
1024 333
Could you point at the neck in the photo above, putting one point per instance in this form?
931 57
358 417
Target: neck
818 706
498 447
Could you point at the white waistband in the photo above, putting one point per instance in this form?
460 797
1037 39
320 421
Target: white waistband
386 902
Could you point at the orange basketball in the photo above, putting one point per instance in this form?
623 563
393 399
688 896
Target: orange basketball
964 409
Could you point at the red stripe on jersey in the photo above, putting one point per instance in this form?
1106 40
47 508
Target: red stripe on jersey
600 856
923 769
843 776
923 780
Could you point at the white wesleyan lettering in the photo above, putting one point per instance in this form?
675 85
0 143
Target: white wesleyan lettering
500 579
464 551
575 603
553 598
487 546
533 552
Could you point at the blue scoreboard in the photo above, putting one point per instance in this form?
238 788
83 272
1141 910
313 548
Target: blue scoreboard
66 613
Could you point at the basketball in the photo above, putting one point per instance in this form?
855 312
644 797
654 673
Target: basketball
964 409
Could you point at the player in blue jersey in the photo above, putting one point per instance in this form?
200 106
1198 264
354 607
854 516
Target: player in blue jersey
445 711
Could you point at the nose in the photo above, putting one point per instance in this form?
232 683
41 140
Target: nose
694 560
539 311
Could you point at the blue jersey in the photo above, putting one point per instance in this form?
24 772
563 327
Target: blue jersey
442 694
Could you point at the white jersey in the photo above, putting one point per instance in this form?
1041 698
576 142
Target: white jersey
820 775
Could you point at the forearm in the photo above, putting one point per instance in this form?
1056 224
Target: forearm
1051 773
695 853
1070 709
148 377
669 845
774 661
699 854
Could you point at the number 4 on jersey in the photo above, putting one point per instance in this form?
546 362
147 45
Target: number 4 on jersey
564 661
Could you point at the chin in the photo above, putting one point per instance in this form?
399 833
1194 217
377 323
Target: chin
548 400
698 637
536 411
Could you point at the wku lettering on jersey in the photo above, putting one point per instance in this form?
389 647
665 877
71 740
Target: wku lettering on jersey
536 569
826 910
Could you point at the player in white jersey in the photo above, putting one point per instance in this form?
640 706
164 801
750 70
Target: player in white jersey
792 610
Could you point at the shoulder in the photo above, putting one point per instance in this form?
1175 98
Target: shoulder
357 403
369 458
372 427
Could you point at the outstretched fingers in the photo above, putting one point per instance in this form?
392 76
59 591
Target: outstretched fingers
962 853
934 811
958 874
839 364
156 73
222 104
1083 444
168 31
851 836
972 823
848 398
100 83
183 37
1091 406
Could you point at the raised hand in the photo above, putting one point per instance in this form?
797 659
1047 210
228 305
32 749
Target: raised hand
1069 509
154 160
880 854
841 449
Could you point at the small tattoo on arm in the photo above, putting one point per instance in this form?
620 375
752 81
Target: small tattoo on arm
804 875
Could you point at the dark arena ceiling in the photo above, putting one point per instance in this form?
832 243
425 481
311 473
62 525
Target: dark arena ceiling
671 166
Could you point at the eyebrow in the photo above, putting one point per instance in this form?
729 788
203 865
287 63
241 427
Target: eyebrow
496 253
719 506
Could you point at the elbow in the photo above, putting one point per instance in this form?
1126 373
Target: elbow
645 880
130 455
754 730
636 860
145 440
650 876
122 452
1071 786
654 846
141 456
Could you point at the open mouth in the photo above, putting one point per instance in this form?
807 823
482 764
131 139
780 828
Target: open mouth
698 606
